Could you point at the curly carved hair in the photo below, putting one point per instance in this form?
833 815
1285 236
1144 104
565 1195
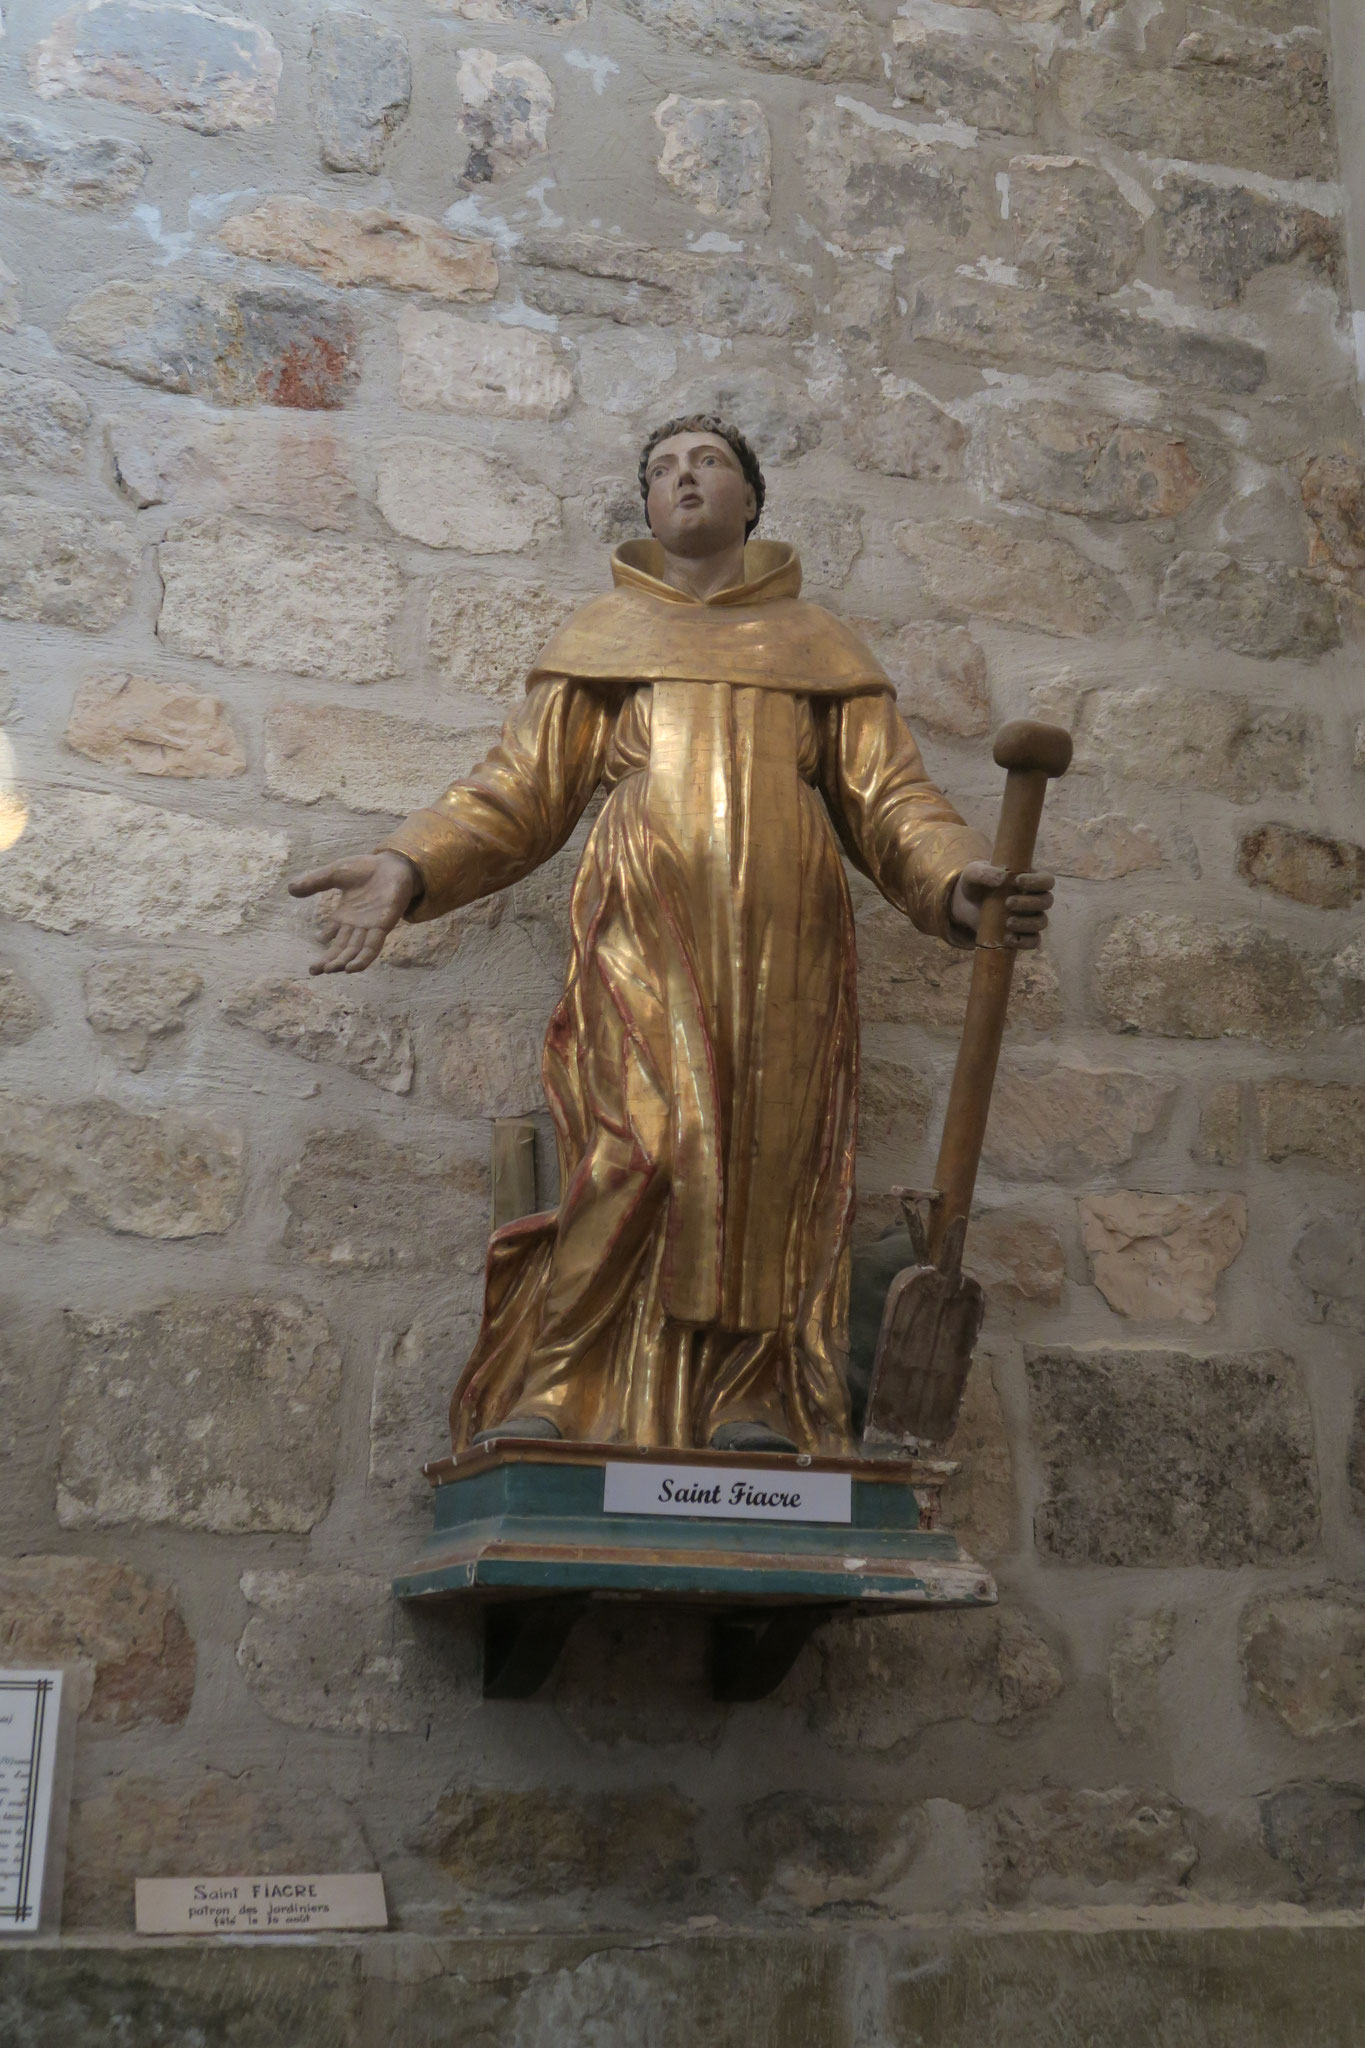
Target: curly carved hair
708 423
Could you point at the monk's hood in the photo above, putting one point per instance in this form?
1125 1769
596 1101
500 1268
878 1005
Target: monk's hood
758 635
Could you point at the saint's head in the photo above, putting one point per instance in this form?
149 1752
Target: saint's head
702 487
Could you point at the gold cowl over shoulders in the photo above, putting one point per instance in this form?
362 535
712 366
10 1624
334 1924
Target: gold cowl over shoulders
758 635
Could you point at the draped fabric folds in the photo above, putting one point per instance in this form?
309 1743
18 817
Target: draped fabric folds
702 1065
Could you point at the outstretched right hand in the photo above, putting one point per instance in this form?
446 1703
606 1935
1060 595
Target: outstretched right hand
375 890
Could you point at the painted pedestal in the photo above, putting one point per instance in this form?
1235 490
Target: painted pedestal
522 1529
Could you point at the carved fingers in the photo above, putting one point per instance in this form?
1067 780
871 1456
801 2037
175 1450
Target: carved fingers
1026 909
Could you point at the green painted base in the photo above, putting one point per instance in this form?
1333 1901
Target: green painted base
522 1528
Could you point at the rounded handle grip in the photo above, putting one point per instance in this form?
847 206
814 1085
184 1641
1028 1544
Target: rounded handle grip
1040 749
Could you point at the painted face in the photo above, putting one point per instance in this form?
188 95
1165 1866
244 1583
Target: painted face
699 500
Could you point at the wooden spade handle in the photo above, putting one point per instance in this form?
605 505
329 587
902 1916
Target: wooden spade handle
1031 754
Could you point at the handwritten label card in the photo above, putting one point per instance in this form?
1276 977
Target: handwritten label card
260 1905
728 1493
30 1705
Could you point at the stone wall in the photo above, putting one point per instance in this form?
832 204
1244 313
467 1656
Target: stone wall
328 340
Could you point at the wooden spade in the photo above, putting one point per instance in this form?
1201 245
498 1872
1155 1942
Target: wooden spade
933 1310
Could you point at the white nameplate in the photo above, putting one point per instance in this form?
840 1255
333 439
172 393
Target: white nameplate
30 1702
728 1493
260 1905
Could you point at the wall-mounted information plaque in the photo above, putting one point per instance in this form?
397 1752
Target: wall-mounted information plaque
30 1710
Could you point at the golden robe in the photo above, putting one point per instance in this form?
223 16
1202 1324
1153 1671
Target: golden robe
702 1066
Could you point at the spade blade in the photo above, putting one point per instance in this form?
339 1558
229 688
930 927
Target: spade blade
929 1330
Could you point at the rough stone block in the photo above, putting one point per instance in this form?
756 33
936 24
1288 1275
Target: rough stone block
155 728
718 155
1156 1458
486 636
822 38
880 186
815 1853
1069 223
506 104
43 423
1319 1120
986 81
1206 109
1317 1831
469 366
39 162
547 14
1226 235
286 468
365 759
361 78
21 1012
1019 10
334 1650
404 252
999 323
1017 1259
1307 867
488 1062
457 498
1142 1645
325 1021
1268 609
544 1842
217 1415
1179 977
168 1824
9 300
61 568
1197 739
1097 849
1329 1259
89 859
897 429
1059 1847
245 344
893 1106
131 1001
121 1636
357 1202
978 1502
827 533
888 1679
207 70
159 1174
1333 492
1016 578
410 1406
1069 1122
1304 1655
569 274
1085 464
247 597
939 673
907 977
1160 1256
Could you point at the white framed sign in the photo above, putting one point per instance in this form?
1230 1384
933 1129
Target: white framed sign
30 1715
727 1493
260 1905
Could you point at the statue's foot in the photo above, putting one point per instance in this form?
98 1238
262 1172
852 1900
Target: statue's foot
749 1436
529 1428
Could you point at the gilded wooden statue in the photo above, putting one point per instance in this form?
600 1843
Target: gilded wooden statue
691 1288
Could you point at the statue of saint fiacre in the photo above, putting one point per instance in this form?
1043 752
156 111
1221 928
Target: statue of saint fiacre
691 1287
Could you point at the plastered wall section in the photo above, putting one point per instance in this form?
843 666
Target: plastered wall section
328 344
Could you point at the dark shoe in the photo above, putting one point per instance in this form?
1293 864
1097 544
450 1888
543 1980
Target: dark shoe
749 1436
526 1428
